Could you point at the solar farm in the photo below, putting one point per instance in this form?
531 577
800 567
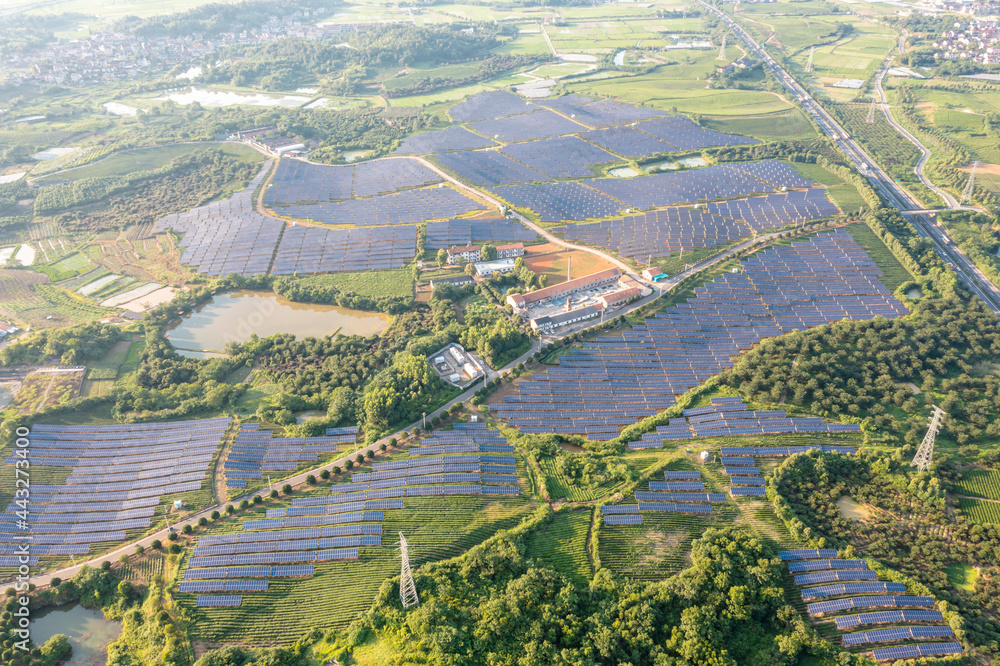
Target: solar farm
463 232
729 417
257 451
667 231
118 477
290 542
617 380
680 492
815 572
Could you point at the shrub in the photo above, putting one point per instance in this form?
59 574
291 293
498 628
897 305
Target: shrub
123 558
436 420
139 550
325 474
311 480
244 504
173 536
156 545
349 464
257 499
274 494
360 458
187 529
202 521
287 489
175 548
56 581
336 469
382 447
230 509
371 453
216 515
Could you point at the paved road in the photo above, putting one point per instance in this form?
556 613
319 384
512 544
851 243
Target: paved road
891 191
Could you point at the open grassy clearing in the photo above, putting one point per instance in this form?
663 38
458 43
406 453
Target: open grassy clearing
677 88
562 488
386 283
962 576
562 544
144 159
780 125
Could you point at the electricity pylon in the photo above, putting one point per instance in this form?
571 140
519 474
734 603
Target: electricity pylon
969 186
809 65
871 109
407 589
922 461
722 49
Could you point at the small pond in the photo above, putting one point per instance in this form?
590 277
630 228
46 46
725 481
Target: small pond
915 293
88 631
623 172
238 315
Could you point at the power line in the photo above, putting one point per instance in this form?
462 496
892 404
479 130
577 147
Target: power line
809 65
870 119
722 49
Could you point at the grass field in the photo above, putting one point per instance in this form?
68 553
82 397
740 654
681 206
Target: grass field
436 528
396 282
562 544
677 88
894 274
788 124
980 511
980 483
144 159
962 576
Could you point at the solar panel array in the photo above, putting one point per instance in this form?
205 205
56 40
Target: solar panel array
406 207
489 167
463 232
256 451
296 181
916 651
661 233
554 202
119 474
685 134
492 104
436 141
226 236
559 157
663 189
893 635
619 379
535 124
674 497
827 583
628 141
319 250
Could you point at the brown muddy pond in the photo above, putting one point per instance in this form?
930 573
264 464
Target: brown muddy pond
235 316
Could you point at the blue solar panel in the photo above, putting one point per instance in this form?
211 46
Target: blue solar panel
622 519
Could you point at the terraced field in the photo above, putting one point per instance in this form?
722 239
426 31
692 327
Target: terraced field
980 483
980 511
562 544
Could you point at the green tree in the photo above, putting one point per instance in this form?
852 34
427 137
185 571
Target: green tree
442 257
488 252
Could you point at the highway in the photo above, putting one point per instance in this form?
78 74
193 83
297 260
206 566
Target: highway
890 191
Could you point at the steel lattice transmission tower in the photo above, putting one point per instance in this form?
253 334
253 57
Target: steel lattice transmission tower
722 49
922 461
809 65
871 109
407 589
969 186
